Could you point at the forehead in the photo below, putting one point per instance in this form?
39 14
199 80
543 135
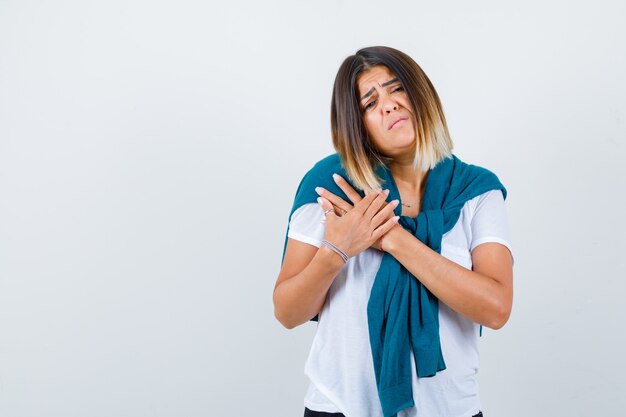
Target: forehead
373 77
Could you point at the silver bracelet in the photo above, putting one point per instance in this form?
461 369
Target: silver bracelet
336 249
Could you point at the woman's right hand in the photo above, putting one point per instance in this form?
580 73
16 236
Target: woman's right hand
361 226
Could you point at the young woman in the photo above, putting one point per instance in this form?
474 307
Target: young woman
398 249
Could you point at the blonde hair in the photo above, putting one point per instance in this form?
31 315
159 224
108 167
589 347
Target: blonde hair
358 154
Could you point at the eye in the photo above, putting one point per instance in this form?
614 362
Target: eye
398 88
369 105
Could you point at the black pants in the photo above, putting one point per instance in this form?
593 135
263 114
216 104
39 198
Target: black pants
311 413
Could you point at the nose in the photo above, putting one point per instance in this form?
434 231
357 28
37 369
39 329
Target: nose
389 105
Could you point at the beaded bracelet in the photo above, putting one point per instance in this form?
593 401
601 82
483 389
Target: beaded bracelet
336 249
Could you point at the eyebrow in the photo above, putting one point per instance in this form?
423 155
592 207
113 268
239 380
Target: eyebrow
385 84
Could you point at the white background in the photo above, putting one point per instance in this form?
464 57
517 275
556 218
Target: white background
149 156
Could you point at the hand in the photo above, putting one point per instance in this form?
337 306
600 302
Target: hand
342 208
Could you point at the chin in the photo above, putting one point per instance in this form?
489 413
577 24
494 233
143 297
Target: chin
405 141
405 148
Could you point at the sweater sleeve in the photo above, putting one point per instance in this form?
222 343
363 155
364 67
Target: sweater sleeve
489 221
306 224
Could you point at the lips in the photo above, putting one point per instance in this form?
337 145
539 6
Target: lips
399 119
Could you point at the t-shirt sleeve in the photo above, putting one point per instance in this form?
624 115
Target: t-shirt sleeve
306 224
490 221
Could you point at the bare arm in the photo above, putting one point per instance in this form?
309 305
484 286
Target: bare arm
484 294
308 272
299 296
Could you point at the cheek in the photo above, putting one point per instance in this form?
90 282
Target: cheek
406 104
370 122
370 126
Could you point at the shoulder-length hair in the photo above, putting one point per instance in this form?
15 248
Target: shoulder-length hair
350 139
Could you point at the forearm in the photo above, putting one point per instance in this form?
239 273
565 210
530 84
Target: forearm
478 297
301 297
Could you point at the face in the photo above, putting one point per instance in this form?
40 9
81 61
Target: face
387 113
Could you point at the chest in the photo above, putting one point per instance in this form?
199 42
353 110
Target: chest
359 278
412 211
413 199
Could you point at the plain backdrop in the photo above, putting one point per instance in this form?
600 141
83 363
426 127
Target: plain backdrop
149 156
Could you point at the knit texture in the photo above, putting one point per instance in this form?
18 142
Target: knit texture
403 314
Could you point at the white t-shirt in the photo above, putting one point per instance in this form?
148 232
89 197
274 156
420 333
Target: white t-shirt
340 366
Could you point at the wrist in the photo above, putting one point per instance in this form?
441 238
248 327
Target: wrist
331 257
390 239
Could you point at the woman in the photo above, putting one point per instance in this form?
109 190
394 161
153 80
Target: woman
411 259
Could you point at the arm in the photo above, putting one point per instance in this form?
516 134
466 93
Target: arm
483 295
303 282
308 272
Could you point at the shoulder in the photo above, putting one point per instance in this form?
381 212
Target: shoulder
478 178
319 175
325 166
486 206
492 199
482 219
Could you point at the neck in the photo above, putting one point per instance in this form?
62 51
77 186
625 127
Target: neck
408 177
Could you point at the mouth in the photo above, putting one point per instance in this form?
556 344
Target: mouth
395 122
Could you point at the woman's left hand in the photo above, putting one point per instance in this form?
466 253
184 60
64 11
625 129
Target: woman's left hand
342 207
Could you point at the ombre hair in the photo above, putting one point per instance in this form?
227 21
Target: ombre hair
357 152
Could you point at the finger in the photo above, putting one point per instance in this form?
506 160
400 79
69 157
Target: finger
366 201
325 205
385 227
334 199
339 211
376 204
385 213
347 188
371 190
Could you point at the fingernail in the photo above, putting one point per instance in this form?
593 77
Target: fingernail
336 177
386 191
319 200
319 190
395 202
